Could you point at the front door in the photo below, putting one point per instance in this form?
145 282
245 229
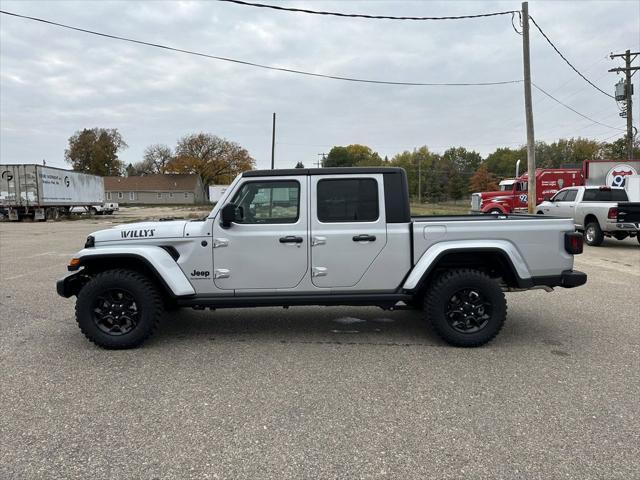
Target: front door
266 248
348 227
566 203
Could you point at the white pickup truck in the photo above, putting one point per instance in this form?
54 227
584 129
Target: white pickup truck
328 236
594 211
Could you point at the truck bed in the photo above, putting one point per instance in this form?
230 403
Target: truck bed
537 238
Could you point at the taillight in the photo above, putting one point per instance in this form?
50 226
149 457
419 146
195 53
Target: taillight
613 213
573 242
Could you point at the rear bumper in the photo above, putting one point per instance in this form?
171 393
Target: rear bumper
567 279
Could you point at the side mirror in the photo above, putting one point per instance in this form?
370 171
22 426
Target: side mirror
228 215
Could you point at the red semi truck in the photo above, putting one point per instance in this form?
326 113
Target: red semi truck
513 193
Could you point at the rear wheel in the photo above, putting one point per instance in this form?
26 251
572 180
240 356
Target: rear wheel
466 307
593 234
118 309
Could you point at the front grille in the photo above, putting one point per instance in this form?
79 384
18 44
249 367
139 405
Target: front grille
475 202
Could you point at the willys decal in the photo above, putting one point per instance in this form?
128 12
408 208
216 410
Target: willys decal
142 233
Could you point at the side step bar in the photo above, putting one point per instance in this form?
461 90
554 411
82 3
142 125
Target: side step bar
382 300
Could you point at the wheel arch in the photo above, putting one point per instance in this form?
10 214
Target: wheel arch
495 260
154 262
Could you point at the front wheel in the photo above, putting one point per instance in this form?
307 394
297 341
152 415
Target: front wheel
466 307
593 235
118 309
495 211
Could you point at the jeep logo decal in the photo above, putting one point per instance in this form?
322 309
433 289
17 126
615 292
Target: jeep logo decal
200 273
138 233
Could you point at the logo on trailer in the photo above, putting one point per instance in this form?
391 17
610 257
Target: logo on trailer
7 175
560 183
66 181
617 176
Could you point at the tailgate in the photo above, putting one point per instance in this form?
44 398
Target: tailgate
628 212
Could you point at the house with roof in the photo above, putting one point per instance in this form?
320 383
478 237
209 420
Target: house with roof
161 189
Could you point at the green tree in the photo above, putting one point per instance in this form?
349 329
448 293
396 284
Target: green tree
502 162
457 187
352 156
95 151
299 165
417 163
617 150
463 160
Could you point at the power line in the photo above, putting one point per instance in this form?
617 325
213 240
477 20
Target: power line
567 61
258 65
573 109
360 15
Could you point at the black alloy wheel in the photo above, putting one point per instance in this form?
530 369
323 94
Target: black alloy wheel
468 311
116 312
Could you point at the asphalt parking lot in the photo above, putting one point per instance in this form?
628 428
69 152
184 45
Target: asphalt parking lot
318 392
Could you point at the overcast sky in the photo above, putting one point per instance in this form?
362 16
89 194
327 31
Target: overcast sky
55 81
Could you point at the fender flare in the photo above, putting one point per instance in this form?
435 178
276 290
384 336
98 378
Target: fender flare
157 259
430 258
491 206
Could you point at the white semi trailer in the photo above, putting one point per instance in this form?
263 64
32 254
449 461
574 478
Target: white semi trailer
44 193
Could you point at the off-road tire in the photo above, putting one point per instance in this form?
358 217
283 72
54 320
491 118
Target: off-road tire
593 232
143 291
442 290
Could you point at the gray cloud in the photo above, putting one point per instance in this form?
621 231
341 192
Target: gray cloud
55 81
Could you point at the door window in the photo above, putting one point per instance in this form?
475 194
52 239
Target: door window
348 200
571 196
277 201
560 196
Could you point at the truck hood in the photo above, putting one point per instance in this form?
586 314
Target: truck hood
132 232
496 197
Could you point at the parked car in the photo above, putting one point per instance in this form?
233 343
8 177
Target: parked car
328 236
98 209
594 211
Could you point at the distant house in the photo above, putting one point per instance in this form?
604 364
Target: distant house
155 189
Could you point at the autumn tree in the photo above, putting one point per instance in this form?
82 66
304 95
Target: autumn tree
217 160
483 180
95 151
156 158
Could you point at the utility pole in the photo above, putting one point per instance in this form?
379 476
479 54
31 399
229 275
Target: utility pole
320 163
273 143
419 180
531 142
628 92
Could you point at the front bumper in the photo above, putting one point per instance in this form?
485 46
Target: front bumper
567 279
69 285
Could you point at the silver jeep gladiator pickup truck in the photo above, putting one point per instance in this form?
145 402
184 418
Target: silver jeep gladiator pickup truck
328 236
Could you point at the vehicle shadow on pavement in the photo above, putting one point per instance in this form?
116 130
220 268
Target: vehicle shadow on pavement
330 325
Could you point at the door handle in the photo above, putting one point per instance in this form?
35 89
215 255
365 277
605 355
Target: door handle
290 239
364 238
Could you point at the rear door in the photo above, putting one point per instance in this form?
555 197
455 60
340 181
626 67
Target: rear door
348 227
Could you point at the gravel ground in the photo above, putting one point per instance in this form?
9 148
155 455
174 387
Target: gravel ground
318 392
